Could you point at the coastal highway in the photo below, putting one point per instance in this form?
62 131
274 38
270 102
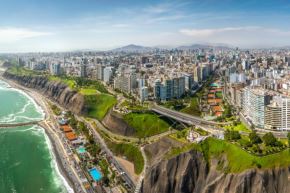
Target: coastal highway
97 137
183 117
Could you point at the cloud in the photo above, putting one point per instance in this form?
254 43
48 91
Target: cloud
15 34
158 9
121 25
211 32
249 36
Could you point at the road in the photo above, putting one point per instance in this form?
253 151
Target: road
104 147
183 117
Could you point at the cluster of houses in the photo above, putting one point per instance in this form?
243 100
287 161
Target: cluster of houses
214 99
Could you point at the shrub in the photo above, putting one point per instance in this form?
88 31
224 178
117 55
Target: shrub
269 139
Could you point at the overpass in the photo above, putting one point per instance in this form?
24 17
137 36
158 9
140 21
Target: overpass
184 118
6 125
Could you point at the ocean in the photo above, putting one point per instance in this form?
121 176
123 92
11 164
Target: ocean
27 164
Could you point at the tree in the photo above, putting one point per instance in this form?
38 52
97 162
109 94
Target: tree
232 135
269 139
254 138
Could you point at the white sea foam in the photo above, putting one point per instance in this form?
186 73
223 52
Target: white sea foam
55 165
13 117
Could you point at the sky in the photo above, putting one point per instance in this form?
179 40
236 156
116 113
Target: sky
68 25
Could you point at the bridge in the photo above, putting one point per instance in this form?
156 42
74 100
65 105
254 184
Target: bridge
7 125
184 118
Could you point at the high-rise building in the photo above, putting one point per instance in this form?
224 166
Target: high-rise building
277 114
197 74
254 103
143 94
189 82
55 69
83 70
159 90
100 71
172 88
126 82
108 73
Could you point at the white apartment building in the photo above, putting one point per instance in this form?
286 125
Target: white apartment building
254 102
277 114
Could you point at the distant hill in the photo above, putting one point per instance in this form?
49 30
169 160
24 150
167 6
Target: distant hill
133 48
140 49
204 46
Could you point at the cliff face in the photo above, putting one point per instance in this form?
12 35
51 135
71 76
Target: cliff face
190 173
115 123
57 91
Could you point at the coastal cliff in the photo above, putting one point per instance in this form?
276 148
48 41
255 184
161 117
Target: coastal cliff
115 123
190 173
57 91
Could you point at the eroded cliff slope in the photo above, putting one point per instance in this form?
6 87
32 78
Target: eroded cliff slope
57 91
190 173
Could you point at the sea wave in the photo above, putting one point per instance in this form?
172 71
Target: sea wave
15 117
55 166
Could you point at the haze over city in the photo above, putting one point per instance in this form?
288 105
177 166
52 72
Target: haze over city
33 26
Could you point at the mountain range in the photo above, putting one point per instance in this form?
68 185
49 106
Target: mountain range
138 48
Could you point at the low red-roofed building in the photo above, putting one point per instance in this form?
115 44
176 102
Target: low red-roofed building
71 136
66 128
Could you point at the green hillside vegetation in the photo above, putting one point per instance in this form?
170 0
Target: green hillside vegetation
98 105
193 108
79 83
68 81
23 71
237 127
146 124
88 91
238 160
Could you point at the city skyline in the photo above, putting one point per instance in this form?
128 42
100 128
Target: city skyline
103 25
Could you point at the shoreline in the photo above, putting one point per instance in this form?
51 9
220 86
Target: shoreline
64 174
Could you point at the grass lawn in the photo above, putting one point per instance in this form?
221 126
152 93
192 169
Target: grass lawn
131 152
146 124
193 109
88 91
23 71
99 104
180 136
69 82
239 127
238 159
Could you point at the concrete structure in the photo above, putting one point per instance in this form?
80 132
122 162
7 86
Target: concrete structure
100 72
83 70
143 94
170 89
277 114
108 73
55 69
126 82
254 102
